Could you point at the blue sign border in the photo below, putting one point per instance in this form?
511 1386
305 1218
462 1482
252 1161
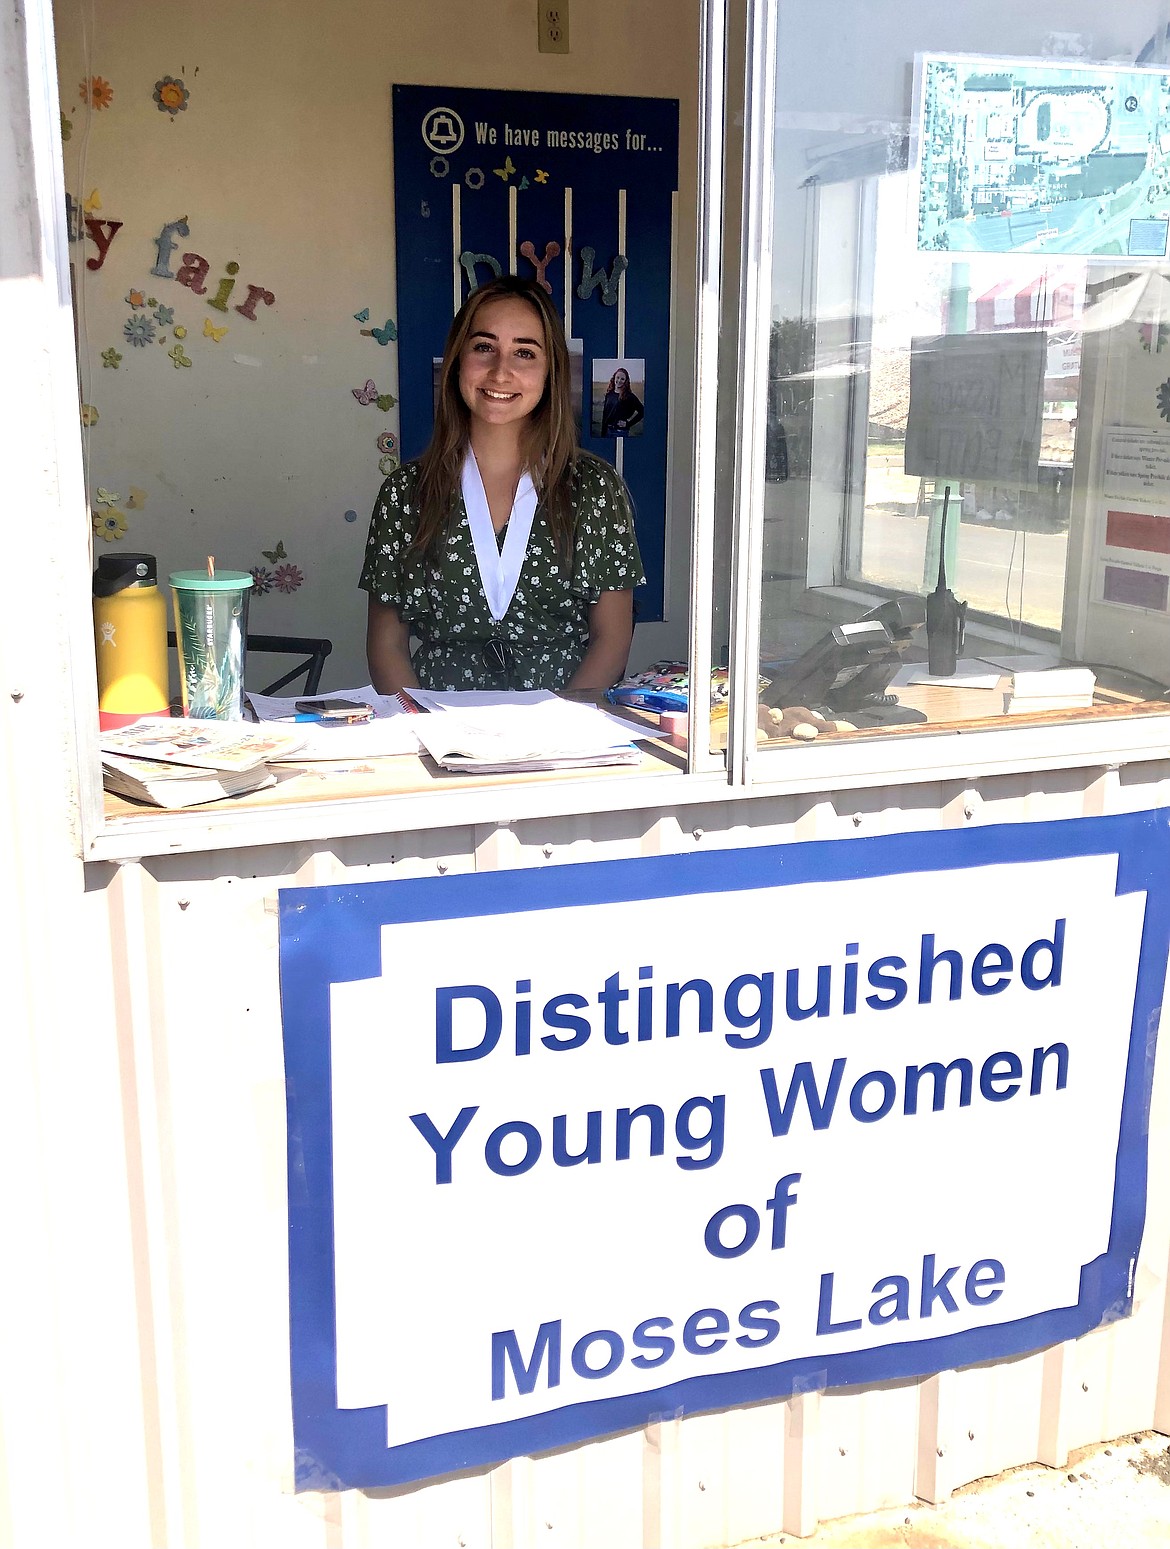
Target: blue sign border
331 934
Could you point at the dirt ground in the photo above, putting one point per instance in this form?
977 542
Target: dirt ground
1114 1496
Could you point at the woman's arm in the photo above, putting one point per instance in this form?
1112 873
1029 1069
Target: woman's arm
388 648
632 410
611 628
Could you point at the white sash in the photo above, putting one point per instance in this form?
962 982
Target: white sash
499 570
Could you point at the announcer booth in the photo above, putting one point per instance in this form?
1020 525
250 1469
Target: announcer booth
765 1128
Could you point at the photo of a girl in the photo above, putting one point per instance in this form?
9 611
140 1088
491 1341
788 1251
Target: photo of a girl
617 406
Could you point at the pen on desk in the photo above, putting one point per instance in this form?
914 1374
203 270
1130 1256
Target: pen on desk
301 715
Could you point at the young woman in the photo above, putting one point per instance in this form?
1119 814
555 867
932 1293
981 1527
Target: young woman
507 552
622 408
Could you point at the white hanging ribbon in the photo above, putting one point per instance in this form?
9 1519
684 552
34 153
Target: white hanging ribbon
499 570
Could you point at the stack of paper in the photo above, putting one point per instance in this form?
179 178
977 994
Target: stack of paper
1061 688
183 763
497 734
321 742
178 785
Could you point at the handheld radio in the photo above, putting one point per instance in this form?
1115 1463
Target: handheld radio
946 617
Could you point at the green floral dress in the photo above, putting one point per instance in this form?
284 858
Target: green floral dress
546 627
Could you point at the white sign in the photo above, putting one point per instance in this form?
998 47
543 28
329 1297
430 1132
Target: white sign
1137 462
976 406
675 1147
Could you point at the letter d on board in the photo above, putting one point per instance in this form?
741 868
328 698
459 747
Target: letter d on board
493 1020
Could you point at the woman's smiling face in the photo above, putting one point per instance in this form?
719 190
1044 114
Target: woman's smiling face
621 381
503 366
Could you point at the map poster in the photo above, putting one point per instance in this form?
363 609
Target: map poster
1042 156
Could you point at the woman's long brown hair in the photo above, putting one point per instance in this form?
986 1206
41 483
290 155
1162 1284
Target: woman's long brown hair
549 439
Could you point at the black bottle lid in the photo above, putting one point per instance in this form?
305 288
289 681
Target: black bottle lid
115 572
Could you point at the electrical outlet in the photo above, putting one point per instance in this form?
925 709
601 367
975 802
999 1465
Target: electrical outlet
552 26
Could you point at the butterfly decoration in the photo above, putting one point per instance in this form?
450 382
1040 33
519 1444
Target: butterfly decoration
135 298
365 395
210 331
136 498
386 402
274 556
383 335
541 176
104 498
179 358
363 316
506 171
94 202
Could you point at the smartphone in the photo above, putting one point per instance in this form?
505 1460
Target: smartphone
324 706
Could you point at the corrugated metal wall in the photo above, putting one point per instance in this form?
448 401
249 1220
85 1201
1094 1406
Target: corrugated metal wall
194 1238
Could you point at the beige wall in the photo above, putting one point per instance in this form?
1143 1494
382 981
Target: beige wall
282 163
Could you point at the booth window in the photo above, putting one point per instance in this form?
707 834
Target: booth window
964 436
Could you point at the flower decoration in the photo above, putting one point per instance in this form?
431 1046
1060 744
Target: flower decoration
180 331
164 316
135 298
111 360
287 578
109 525
440 166
387 464
171 95
138 331
261 580
386 402
387 442
97 92
89 415
1164 400
66 127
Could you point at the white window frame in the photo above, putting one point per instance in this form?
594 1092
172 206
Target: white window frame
49 469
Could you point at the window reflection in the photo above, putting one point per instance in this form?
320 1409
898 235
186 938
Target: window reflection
966 298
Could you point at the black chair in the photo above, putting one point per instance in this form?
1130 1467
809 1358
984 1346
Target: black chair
313 651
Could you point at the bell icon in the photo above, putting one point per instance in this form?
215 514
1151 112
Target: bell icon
442 131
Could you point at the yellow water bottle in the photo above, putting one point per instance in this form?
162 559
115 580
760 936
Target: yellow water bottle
130 639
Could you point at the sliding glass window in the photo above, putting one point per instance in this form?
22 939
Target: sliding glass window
966 447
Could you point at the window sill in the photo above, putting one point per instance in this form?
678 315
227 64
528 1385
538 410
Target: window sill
398 796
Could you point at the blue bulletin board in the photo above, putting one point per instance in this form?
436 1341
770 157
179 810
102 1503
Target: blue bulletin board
578 192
